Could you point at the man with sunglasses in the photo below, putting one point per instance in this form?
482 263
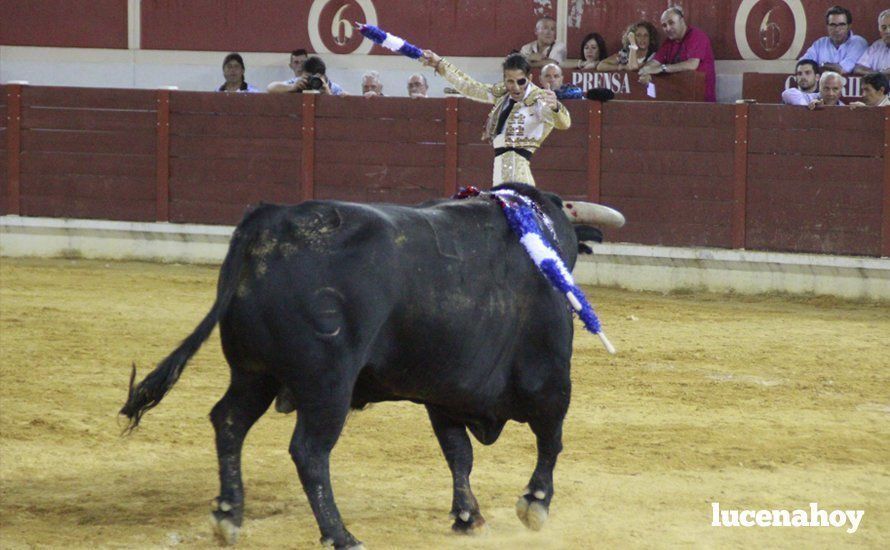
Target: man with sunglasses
522 118
839 51
686 48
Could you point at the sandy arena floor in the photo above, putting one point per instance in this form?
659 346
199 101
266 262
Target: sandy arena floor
755 403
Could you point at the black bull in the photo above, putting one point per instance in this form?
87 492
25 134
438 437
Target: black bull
347 304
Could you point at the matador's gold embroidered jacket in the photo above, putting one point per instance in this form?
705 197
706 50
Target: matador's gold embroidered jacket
527 126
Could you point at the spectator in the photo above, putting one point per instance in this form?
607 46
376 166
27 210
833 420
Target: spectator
877 56
551 79
874 91
297 58
371 85
593 50
233 72
314 78
417 85
807 77
639 44
839 51
545 49
522 118
831 86
686 49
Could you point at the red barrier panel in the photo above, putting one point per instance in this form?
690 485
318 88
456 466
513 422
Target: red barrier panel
228 151
380 149
885 210
10 134
670 166
815 180
765 177
88 153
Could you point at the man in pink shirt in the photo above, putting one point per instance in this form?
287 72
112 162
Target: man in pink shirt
686 49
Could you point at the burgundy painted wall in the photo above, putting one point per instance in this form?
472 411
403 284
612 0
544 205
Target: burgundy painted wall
487 28
464 28
64 23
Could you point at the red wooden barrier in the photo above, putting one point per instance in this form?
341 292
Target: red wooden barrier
4 160
163 157
885 210
594 150
307 187
814 180
380 149
88 153
13 148
740 179
764 177
670 167
451 163
228 151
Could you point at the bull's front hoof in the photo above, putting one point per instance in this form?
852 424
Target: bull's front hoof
329 543
226 530
532 512
226 522
468 523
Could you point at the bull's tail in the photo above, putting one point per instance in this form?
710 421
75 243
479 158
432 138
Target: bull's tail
149 393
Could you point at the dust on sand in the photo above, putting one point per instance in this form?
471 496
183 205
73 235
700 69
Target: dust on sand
756 403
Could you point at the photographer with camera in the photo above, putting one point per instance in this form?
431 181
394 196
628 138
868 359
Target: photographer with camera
314 79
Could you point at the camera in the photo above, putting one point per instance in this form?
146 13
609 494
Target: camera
314 82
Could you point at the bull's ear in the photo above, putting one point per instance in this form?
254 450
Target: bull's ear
588 233
554 199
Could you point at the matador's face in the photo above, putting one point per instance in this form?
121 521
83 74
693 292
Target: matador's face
516 82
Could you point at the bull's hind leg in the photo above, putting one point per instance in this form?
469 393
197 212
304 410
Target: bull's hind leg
458 451
534 505
248 397
318 427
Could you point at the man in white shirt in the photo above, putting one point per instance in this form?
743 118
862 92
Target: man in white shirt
545 49
877 57
807 76
831 86
840 50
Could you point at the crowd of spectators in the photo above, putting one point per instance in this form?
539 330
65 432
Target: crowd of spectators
677 47
838 53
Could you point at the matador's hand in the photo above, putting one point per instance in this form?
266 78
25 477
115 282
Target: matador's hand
548 97
430 58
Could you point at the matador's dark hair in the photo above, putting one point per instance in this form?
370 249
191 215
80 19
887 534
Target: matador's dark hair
516 61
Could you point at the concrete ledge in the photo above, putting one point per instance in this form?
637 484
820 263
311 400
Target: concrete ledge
635 267
101 239
663 268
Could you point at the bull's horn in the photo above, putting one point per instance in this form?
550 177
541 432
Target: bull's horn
590 213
